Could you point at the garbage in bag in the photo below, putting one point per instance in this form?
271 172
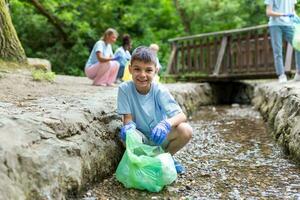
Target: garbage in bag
296 37
145 167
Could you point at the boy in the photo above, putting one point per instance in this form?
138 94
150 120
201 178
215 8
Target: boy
150 108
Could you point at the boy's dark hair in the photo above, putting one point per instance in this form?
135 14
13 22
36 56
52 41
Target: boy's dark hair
126 40
144 54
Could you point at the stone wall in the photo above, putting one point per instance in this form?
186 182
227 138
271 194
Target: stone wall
280 106
54 147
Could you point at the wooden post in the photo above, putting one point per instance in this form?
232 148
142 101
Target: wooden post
171 59
220 56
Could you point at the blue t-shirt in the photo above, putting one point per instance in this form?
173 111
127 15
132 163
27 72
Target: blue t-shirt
105 50
124 56
282 6
149 109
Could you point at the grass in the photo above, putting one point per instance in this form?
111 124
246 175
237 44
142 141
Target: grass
40 75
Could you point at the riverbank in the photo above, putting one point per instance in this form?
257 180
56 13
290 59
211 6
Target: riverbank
279 104
57 138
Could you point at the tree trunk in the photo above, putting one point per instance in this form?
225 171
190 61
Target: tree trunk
10 45
183 16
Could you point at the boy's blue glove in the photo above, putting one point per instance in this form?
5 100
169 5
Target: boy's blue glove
160 132
288 15
125 128
117 58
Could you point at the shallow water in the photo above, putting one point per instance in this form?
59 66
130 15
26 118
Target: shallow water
231 156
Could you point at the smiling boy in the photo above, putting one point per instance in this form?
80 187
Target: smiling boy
150 108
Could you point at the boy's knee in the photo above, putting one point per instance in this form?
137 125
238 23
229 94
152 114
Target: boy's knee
185 131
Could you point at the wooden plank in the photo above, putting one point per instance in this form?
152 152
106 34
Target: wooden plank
195 63
202 61
265 50
189 58
172 61
228 57
238 53
220 56
255 63
228 32
247 51
182 58
208 55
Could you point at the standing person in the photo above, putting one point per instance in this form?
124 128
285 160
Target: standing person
123 54
150 108
155 48
101 67
281 13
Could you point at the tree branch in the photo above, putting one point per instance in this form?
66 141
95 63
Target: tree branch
58 24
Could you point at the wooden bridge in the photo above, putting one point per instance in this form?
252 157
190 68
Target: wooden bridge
227 55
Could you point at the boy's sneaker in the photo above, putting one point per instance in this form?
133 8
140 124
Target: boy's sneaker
282 78
297 77
179 168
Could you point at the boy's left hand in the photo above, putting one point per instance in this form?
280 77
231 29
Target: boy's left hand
160 132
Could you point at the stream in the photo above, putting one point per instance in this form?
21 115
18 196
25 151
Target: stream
231 156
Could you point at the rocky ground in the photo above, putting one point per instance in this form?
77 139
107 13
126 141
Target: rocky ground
231 156
231 165
18 86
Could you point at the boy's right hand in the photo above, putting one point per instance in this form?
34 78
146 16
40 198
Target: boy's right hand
125 128
160 132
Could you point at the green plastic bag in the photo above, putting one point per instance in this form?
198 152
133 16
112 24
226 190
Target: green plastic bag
145 167
296 37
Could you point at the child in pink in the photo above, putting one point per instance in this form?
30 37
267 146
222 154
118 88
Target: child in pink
101 67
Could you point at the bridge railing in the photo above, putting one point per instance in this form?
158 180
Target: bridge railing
240 53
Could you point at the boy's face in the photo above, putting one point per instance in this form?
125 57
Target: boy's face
142 75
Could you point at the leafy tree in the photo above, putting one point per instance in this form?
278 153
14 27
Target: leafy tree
85 21
66 34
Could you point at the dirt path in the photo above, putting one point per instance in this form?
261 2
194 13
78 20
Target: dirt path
17 87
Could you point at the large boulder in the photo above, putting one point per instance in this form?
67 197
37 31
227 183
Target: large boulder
38 63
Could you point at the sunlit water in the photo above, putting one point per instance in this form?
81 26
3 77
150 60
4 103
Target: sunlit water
231 156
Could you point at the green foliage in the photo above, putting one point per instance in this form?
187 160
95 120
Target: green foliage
150 21
40 75
85 22
218 15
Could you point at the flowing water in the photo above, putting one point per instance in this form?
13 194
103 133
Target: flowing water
231 156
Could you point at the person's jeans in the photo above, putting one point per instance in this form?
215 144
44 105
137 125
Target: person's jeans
121 71
277 33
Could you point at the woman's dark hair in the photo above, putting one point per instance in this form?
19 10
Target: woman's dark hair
126 40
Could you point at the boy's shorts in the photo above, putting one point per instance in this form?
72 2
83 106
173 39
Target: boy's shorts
147 141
